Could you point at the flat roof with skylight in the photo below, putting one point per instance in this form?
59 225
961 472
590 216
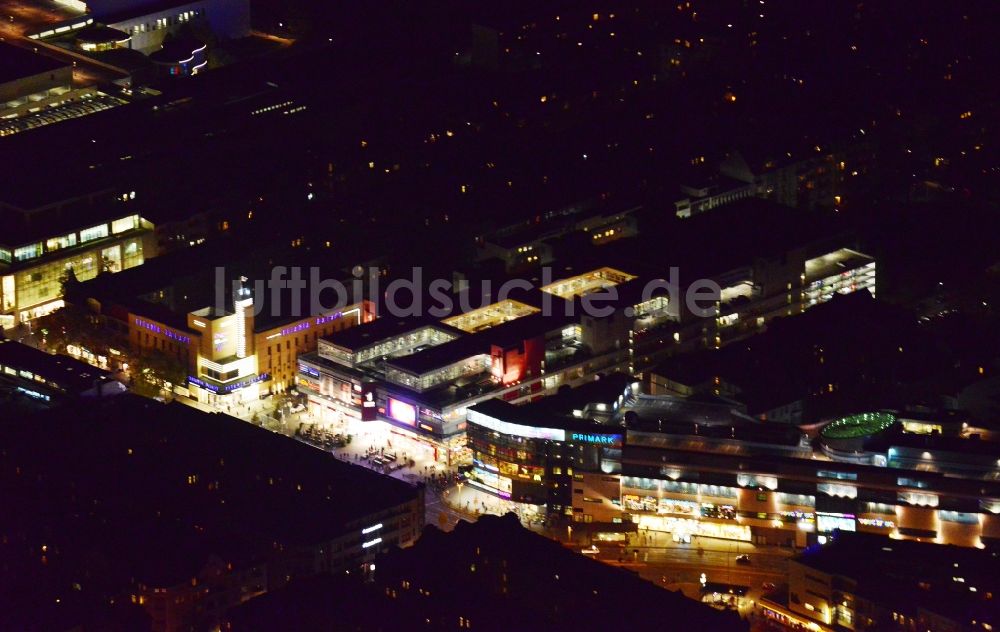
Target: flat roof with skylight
588 283
835 262
490 316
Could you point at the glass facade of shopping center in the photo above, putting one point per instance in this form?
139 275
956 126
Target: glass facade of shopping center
538 469
31 286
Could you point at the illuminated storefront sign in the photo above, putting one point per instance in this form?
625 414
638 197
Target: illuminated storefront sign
228 388
145 324
369 411
599 439
319 320
877 522
797 515
507 428
308 370
295 328
322 320
827 522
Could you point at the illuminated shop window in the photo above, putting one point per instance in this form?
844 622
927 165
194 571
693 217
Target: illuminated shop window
757 480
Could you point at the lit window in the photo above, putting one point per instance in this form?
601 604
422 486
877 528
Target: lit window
58 243
27 252
124 224
96 232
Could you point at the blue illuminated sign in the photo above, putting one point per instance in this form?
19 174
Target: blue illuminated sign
228 388
326 319
294 329
599 439
34 394
320 320
145 324
308 370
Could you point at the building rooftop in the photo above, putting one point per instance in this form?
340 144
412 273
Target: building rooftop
961 448
24 220
110 11
737 439
736 452
529 415
177 50
187 279
652 410
99 34
529 232
911 573
796 357
605 389
727 238
66 373
381 329
442 355
17 63
503 335
858 425
151 493
834 263
495 574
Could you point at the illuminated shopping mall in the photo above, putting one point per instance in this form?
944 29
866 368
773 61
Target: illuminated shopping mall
421 374
688 468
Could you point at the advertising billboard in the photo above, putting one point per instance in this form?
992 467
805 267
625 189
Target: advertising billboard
402 412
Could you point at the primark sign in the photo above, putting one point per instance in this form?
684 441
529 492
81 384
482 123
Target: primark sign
614 440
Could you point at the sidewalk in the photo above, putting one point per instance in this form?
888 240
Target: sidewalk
473 502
